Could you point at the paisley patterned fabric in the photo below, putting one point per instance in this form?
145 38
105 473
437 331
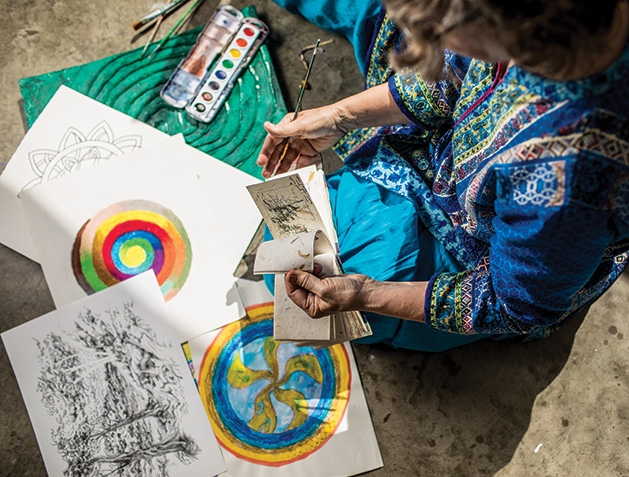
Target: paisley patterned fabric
523 180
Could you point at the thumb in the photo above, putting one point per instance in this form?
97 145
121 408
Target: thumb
300 286
278 130
296 279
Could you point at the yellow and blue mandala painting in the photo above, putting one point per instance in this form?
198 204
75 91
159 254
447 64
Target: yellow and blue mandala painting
272 403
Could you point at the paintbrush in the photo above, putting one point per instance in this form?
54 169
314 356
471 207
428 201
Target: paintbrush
176 26
161 12
153 33
302 89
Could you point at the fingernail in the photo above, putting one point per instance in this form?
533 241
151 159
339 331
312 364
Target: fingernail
292 279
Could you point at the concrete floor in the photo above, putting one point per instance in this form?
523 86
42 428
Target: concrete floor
557 407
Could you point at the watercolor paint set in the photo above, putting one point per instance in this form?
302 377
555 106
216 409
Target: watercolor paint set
187 77
222 77
201 83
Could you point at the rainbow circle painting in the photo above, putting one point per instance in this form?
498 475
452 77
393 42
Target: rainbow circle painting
128 238
272 403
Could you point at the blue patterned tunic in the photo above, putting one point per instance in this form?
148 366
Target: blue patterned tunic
523 180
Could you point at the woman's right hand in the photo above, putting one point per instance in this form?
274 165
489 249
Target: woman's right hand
313 131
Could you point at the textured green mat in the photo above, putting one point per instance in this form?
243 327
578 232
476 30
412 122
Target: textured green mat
131 84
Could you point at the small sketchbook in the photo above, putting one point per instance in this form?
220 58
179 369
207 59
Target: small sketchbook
296 209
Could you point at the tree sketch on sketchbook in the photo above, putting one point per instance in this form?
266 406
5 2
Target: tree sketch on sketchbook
77 150
285 212
117 404
286 206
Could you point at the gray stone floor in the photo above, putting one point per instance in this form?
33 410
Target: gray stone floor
557 407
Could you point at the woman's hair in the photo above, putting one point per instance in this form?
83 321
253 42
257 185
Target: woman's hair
552 33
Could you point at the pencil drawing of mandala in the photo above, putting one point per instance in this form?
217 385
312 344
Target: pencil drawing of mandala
272 403
117 400
77 150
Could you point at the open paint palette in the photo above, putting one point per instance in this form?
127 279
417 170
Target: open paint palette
239 39
187 78
222 77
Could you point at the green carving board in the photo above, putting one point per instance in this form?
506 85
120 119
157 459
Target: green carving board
131 84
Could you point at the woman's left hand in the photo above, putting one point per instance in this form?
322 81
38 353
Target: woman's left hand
320 296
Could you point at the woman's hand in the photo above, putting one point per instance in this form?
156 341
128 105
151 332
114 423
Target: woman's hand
315 130
320 296
310 133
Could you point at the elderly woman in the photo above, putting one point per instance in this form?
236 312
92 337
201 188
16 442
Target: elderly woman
485 190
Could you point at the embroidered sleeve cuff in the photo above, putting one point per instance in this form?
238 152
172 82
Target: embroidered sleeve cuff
424 104
449 303
393 88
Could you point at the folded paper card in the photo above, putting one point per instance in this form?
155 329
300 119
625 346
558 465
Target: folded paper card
297 252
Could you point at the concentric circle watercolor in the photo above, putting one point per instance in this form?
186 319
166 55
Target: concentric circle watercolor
128 238
272 403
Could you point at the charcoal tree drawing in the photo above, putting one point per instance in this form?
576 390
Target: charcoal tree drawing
286 206
117 401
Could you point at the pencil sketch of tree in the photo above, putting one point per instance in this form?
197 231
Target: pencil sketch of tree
284 212
77 150
287 206
116 399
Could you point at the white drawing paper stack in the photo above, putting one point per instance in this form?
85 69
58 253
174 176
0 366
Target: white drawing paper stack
72 133
168 207
296 209
108 389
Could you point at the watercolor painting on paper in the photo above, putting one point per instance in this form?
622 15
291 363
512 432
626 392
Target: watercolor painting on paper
282 410
128 238
148 212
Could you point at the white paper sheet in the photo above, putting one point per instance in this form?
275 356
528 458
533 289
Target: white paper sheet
204 200
240 378
73 132
297 252
107 385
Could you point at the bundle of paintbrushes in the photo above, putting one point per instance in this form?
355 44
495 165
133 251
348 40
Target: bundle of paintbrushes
155 19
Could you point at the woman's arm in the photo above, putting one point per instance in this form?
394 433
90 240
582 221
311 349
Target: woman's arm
373 107
317 129
321 296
